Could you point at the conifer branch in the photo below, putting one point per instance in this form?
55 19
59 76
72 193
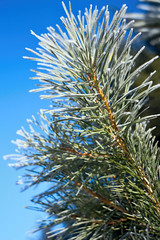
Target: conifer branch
92 78
92 145
103 199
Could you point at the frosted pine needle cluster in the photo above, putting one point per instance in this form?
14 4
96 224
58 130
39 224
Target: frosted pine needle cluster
92 145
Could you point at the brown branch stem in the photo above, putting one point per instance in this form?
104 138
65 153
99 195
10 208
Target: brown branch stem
94 221
96 195
71 150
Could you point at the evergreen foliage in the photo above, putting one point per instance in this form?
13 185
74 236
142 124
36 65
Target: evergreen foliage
148 22
92 146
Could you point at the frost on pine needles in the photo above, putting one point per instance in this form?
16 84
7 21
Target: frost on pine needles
92 145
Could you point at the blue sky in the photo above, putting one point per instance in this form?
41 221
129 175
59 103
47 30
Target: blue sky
17 18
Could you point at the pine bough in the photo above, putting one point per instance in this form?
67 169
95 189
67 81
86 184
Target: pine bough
92 146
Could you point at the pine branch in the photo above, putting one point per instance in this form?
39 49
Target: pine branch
95 83
93 145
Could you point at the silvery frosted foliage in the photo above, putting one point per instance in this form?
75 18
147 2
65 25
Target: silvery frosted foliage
92 146
148 22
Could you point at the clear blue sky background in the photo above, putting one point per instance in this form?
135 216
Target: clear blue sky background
17 18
